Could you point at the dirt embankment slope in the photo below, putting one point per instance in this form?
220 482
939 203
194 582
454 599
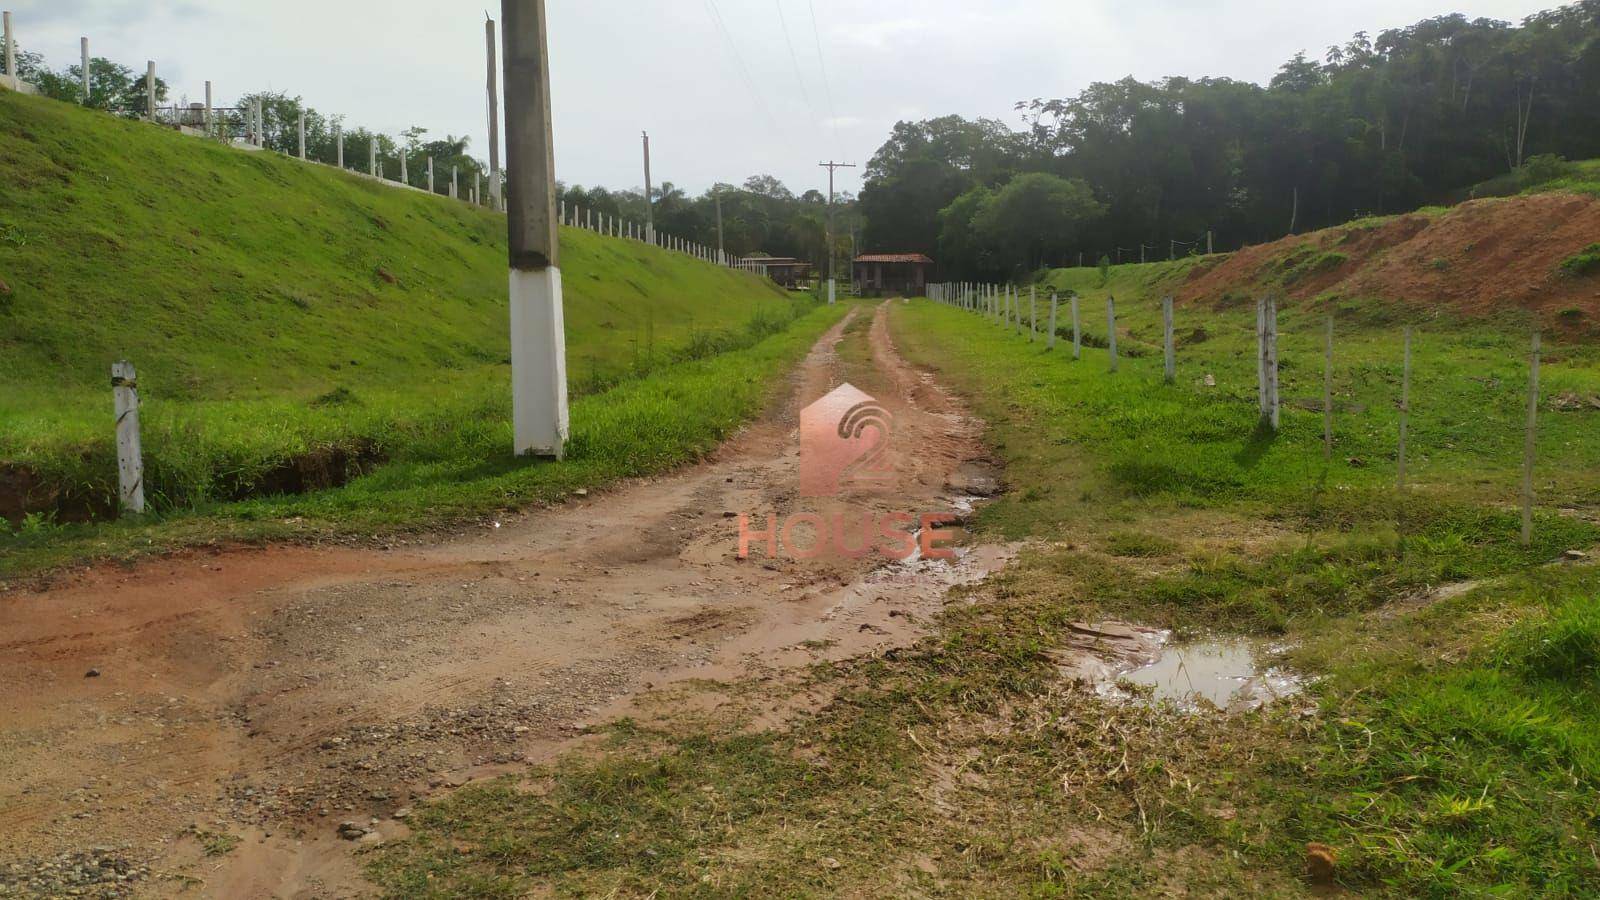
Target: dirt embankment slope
1479 258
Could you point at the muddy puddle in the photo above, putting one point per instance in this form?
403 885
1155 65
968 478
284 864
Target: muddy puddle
1228 674
1139 664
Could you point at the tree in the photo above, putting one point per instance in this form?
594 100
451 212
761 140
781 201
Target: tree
1034 219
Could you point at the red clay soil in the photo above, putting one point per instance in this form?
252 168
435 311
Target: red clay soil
1479 258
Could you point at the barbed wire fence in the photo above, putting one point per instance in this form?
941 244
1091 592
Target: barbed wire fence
1002 305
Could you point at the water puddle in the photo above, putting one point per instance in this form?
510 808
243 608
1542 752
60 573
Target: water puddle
1225 674
1140 664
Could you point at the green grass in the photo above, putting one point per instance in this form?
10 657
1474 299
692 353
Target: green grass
1451 750
292 323
1546 176
1584 262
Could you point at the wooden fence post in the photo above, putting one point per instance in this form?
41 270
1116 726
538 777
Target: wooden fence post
1528 443
1111 328
1405 412
1050 339
130 456
1327 395
1167 345
1267 358
1077 330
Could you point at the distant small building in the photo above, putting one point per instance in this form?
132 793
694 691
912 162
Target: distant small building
785 270
892 274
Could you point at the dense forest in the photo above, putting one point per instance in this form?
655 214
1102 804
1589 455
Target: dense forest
1414 116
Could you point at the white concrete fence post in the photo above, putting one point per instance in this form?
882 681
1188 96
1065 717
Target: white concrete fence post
261 124
430 176
1033 314
372 156
1050 339
83 70
130 457
338 138
405 175
211 117
301 129
149 87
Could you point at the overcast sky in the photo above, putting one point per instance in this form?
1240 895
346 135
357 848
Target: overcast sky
713 81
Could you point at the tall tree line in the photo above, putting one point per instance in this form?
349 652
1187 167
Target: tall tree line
761 217
1378 125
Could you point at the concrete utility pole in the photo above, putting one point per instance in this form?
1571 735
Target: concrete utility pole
430 175
83 51
538 343
494 117
149 80
11 47
338 138
831 166
649 190
211 116
301 128
405 176
372 157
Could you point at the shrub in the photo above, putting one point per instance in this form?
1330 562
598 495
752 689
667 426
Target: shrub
1564 647
1544 168
1584 262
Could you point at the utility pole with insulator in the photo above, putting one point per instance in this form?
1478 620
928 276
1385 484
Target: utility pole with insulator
538 343
494 118
716 191
649 215
831 166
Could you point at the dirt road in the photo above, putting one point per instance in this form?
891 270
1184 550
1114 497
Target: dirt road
203 725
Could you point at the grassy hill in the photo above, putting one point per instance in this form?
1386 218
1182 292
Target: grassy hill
291 324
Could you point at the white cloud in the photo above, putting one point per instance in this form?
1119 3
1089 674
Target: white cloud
620 66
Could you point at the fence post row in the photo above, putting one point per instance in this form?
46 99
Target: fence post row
1002 304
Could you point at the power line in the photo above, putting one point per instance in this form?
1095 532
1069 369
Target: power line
822 65
793 58
744 72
